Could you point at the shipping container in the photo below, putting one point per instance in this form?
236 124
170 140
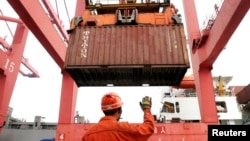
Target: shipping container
244 95
130 55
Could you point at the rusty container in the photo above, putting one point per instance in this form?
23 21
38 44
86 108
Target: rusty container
130 55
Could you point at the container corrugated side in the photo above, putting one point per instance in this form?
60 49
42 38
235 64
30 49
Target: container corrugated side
127 55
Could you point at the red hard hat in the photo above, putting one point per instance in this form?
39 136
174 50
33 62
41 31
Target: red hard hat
111 101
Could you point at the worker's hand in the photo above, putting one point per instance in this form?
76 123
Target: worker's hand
146 103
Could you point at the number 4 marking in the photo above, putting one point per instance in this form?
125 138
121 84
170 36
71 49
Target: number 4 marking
61 136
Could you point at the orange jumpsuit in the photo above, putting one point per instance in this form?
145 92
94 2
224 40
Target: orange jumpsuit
109 129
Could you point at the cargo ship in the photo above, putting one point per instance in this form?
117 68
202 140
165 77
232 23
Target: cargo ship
179 105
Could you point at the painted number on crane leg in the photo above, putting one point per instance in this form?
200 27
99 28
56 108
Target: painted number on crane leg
61 136
9 65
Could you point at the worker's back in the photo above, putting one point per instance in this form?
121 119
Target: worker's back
109 129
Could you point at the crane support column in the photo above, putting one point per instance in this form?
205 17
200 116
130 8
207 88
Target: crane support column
229 17
202 75
68 99
69 88
33 14
9 68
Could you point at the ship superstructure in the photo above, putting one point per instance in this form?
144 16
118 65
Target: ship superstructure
181 104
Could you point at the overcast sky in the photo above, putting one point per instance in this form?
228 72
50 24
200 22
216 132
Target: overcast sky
41 96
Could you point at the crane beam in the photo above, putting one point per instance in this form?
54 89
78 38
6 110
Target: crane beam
33 73
10 19
56 20
229 17
36 19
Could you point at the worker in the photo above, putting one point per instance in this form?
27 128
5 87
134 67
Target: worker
110 129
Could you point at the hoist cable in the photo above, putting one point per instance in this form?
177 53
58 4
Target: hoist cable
7 24
67 10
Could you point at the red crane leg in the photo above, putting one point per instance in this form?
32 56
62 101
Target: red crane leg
68 99
206 96
9 72
202 75
33 15
69 88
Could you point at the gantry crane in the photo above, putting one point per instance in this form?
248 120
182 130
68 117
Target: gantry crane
202 57
10 62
